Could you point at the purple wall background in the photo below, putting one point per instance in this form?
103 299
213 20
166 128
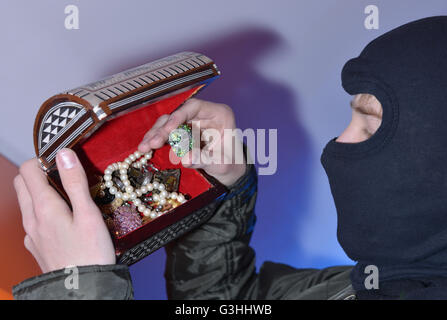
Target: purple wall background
281 63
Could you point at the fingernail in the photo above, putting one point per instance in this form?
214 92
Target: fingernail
170 120
67 158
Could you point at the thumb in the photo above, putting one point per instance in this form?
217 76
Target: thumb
74 180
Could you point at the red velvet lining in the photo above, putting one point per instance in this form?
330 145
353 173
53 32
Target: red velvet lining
118 138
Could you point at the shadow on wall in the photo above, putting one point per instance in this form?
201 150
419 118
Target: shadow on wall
257 103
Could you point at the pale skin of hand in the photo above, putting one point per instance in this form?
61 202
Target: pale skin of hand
56 236
59 237
211 116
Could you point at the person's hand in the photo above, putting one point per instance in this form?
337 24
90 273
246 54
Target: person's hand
228 166
56 236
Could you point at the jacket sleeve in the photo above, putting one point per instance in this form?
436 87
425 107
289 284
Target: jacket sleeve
109 282
215 260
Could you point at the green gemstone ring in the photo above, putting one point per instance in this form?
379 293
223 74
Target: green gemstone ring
181 140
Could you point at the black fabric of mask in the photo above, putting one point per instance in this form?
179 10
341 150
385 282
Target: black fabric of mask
390 191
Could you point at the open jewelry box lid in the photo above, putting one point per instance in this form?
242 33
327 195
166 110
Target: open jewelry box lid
65 119
92 118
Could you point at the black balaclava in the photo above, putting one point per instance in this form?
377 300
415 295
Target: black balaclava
390 191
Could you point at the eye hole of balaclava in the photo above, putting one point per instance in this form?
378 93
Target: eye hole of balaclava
366 119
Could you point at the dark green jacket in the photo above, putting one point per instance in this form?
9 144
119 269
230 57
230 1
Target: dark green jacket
214 261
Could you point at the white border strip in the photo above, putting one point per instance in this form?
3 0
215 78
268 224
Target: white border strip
158 89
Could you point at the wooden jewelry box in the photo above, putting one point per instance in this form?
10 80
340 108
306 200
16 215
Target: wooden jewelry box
105 121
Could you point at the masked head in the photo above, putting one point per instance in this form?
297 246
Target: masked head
389 181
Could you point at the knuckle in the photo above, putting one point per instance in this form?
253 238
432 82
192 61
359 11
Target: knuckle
74 184
164 132
23 168
161 121
163 118
40 206
157 131
45 200
195 101
148 134
226 108
16 180
27 242
29 226
27 165
173 117
192 103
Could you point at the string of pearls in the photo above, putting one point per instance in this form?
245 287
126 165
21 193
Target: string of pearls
132 194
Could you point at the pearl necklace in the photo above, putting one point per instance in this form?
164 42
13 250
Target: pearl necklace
133 195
